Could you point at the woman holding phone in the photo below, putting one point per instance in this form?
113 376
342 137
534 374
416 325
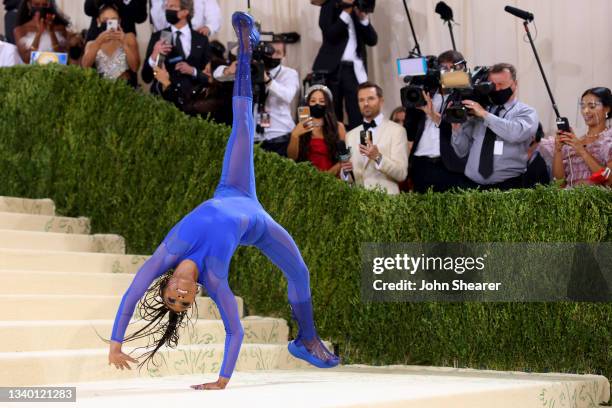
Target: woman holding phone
315 137
40 26
113 52
588 159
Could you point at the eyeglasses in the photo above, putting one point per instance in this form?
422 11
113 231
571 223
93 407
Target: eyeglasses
590 105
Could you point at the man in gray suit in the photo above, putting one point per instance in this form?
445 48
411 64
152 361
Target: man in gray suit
497 139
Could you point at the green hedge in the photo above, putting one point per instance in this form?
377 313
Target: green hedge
136 165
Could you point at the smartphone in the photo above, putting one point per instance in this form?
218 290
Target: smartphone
112 24
166 36
303 113
365 136
563 125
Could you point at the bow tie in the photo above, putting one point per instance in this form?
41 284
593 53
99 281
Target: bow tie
370 125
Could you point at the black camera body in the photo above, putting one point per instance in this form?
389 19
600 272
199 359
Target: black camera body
367 6
412 94
478 91
262 51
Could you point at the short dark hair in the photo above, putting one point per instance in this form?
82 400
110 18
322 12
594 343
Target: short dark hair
450 56
367 85
605 96
501 67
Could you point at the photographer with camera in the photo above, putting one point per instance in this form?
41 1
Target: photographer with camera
346 31
275 88
433 162
496 140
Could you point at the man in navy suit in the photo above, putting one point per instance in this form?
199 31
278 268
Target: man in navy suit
346 32
176 67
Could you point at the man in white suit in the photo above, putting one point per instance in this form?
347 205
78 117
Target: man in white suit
383 160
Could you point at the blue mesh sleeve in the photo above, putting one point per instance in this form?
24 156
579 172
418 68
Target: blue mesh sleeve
219 291
153 268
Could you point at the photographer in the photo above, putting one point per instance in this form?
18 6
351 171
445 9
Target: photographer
180 78
496 140
272 104
346 32
433 161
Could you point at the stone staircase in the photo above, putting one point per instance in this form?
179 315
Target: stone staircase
60 289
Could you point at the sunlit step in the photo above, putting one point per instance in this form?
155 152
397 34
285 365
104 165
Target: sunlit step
43 206
58 366
63 261
44 223
53 241
41 335
81 307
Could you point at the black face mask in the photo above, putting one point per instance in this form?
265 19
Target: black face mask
501 97
75 52
271 63
318 111
172 17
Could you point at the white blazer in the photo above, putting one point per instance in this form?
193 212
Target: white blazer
392 143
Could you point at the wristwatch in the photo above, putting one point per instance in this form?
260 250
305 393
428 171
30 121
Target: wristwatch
378 159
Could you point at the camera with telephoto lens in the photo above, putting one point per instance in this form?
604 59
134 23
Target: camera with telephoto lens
264 51
475 86
422 75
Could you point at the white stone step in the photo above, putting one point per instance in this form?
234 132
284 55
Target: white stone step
42 335
49 367
27 206
62 261
355 386
53 241
63 283
80 307
44 223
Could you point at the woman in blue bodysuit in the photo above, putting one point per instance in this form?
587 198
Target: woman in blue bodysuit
201 245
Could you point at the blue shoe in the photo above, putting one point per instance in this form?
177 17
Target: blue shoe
298 350
243 23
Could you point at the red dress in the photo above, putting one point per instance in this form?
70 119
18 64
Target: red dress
318 154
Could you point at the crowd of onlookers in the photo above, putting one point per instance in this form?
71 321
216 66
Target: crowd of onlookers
339 126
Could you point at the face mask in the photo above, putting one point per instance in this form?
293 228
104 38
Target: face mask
501 97
271 63
75 52
317 111
172 17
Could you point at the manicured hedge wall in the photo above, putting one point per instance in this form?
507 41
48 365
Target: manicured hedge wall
136 165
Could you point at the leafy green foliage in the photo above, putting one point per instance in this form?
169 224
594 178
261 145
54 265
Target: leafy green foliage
136 165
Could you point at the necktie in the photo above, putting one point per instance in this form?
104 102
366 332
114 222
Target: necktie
178 45
485 167
367 126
